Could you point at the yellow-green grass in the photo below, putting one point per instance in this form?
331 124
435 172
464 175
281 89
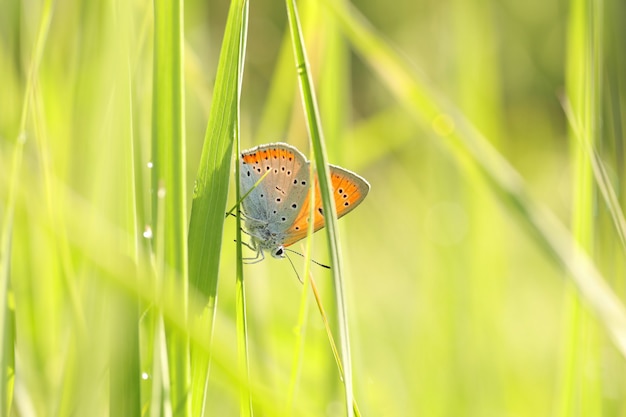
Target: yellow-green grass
491 134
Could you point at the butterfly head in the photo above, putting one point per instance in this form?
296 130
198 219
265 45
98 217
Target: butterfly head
278 252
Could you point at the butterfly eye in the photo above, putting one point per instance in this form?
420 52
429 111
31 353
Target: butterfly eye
279 252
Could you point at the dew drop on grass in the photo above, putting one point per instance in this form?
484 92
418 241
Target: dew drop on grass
150 164
196 189
145 376
147 233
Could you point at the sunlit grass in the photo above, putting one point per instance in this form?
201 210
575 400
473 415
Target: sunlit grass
481 276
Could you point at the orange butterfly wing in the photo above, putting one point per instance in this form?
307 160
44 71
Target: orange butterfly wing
349 189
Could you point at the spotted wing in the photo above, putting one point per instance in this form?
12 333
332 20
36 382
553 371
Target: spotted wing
278 197
349 190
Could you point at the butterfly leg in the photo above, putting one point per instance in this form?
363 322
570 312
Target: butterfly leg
259 253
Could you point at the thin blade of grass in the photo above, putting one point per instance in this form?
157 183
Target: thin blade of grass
245 395
206 225
125 362
168 153
7 334
600 174
581 370
317 141
466 145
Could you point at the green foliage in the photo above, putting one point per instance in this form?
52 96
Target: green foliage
483 128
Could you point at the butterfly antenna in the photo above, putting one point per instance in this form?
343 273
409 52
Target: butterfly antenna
312 260
294 268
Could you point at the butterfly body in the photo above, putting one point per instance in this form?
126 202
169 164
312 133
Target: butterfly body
277 209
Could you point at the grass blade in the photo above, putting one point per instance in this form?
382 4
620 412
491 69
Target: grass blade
316 136
7 334
245 395
168 152
581 388
125 361
211 190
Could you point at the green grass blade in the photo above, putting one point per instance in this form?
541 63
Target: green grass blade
601 176
7 336
466 145
580 387
168 153
316 136
245 395
211 190
125 361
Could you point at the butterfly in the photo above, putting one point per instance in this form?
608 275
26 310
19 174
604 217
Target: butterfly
276 211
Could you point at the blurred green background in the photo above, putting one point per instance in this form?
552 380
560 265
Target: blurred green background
455 307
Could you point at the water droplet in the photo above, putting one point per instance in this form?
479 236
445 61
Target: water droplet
150 164
196 189
145 376
147 233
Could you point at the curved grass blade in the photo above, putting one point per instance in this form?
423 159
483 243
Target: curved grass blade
211 190
323 173
465 144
